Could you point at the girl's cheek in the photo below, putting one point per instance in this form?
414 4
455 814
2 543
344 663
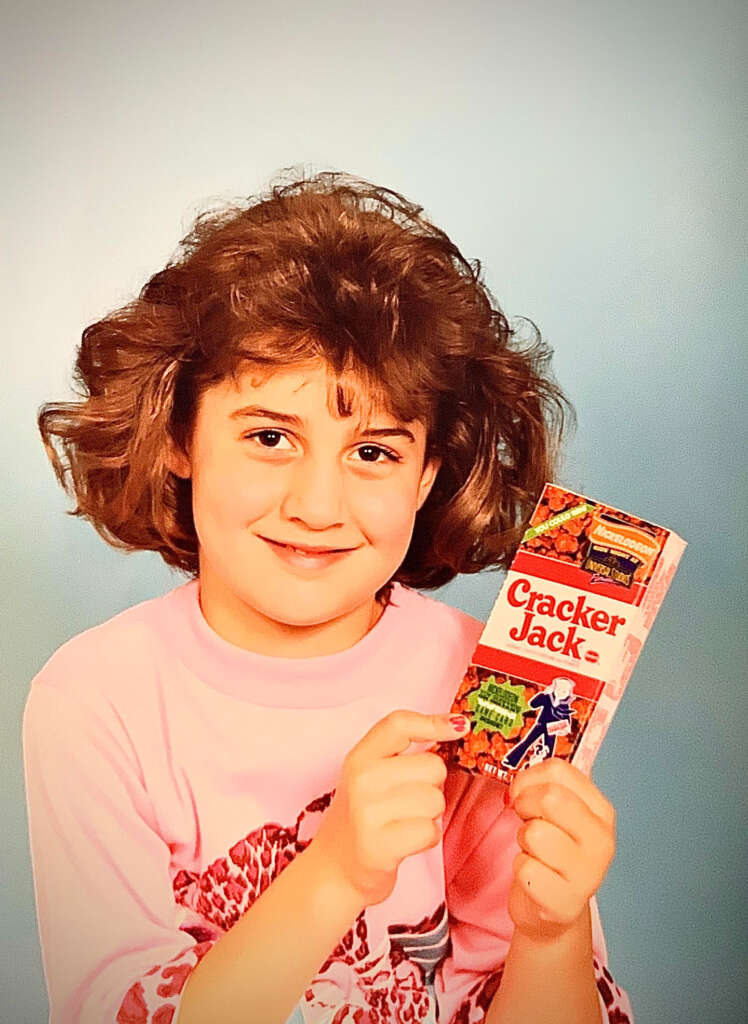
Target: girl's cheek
232 493
390 514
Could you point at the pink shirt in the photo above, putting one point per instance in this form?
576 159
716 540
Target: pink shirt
170 776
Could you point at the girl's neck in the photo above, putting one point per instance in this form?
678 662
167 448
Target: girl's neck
247 627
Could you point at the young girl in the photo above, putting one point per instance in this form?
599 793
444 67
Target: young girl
236 811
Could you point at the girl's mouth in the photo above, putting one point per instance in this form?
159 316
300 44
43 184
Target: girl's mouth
305 559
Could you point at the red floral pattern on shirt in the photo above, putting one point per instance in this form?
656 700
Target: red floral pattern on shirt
149 1001
355 985
616 1001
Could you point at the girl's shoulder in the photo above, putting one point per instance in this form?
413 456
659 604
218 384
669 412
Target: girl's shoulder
119 648
440 620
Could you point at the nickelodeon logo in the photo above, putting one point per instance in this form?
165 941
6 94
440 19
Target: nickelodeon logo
629 540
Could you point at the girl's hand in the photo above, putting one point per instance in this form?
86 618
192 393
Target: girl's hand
387 805
567 842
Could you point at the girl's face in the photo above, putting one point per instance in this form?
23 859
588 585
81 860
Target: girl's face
295 474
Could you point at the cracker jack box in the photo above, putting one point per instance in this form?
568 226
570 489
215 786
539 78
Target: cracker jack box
558 648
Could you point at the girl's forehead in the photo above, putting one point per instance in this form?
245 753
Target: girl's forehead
309 388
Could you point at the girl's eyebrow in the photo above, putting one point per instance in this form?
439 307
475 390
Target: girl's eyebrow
256 410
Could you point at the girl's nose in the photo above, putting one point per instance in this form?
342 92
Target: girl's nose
315 493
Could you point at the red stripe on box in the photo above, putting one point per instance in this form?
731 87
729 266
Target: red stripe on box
536 671
572 576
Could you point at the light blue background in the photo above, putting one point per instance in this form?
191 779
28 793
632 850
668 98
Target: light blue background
592 156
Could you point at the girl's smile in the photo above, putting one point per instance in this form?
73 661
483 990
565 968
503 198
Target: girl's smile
300 559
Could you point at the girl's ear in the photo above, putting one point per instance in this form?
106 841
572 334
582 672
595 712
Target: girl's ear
427 479
177 461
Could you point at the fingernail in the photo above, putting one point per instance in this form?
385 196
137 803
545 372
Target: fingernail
459 723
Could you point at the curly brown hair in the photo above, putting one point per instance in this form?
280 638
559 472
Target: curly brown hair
333 267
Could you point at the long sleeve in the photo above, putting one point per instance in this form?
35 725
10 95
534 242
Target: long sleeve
112 946
480 844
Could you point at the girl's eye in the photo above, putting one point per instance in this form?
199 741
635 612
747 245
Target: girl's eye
378 448
274 434
265 433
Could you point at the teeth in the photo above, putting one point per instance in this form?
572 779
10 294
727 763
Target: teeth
307 554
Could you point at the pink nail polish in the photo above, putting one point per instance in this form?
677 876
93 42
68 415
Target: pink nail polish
459 723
